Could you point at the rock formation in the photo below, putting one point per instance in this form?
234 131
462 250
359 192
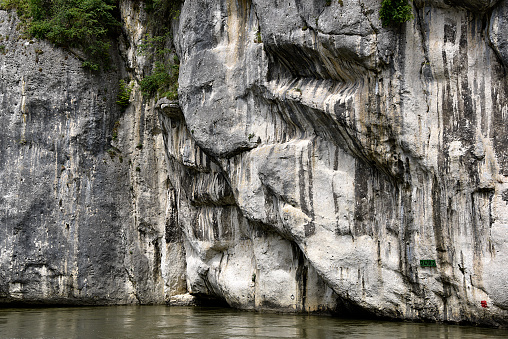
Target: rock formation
314 160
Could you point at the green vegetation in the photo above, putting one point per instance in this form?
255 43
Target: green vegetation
114 134
88 25
111 152
155 45
163 80
329 3
161 9
395 12
258 39
81 24
124 94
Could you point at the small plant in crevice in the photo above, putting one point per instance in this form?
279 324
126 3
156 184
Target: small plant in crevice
258 39
124 94
158 48
155 45
163 81
395 12
114 134
162 9
111 153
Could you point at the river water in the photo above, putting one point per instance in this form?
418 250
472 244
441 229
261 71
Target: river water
210 323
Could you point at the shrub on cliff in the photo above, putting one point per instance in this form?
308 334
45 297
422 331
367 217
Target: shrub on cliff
124 94
81 24
394 12
163 81
157 46
161 9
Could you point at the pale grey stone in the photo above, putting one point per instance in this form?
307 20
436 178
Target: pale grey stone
316 159
370 148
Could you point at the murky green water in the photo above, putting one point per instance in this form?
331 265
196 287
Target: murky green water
209 323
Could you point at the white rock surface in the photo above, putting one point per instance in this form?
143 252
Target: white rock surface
316 159
370 148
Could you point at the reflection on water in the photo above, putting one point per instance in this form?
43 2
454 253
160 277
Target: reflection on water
210 323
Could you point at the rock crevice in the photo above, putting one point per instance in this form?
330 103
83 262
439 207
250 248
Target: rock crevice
313 159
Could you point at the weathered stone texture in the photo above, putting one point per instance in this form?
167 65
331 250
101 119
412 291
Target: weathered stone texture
83 193
370 148
316 159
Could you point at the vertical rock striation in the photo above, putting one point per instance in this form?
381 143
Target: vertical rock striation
313 160
84 198
369 148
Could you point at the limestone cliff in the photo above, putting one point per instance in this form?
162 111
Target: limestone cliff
83 186
316 159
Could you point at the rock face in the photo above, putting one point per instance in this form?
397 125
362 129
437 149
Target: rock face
316 159
83 192
369 148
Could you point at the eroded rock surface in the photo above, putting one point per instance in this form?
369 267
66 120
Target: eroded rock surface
370 148
313 160
83 186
